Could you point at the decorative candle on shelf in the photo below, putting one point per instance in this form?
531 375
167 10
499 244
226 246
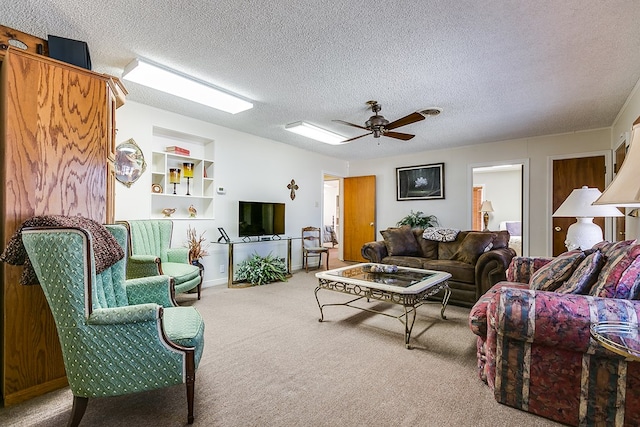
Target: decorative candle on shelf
188 173
174 177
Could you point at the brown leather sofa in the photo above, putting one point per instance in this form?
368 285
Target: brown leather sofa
476 260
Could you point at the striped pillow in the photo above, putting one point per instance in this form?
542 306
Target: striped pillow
584 276
552 275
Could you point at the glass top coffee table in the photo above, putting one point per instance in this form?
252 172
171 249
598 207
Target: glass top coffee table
409 287
622 338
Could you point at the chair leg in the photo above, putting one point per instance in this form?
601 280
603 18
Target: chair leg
327 260
190 383
190 398
77 411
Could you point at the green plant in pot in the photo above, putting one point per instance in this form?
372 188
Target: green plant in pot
418 219
259 270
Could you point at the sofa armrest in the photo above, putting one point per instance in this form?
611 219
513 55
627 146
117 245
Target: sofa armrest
374 251
522 268
491 268
555 320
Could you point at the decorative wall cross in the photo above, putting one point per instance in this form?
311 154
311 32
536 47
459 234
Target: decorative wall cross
293 187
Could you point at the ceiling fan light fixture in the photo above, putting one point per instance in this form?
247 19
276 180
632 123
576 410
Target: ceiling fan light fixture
175 83
314 132
431 111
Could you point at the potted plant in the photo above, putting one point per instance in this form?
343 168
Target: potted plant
418 220
259 270
197 247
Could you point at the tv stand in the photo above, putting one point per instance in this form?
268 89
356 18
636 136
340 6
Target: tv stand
266 239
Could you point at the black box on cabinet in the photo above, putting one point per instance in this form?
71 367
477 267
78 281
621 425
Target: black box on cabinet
70 51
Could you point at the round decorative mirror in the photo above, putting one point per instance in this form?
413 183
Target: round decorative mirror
130 164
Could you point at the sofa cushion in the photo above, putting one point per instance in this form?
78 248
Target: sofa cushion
400 241
584 275
473 245
404 261
619 257
460 271
429 248
550 276
634 293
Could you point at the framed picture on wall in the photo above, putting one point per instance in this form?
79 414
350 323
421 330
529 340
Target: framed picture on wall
422 182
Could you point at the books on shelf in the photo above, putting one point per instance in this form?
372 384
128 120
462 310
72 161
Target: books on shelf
174 149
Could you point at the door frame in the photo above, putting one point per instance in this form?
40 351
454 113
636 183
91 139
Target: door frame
525 195
340 177
608 162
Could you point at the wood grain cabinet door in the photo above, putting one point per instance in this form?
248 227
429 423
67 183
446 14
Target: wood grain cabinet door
55 145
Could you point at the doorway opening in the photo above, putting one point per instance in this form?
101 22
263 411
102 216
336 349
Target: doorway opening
499 192
331 215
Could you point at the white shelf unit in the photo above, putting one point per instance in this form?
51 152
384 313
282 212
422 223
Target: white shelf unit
201 186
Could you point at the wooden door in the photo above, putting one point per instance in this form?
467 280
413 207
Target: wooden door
55 136
359 220
476 203
620 154
569 174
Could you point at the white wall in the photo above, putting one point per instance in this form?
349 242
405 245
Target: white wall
249 167
453 210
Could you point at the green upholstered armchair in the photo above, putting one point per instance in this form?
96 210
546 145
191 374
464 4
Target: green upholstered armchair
117 336
151 254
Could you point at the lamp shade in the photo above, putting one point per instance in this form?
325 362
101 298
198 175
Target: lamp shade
486 206
579 205
624 190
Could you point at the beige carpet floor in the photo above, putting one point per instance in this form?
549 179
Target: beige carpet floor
269 362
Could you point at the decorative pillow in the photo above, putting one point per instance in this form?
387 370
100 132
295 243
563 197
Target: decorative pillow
400 241
514 228
634 293
473 245
440 234
552 275
584 276
501 240
628 280
619 257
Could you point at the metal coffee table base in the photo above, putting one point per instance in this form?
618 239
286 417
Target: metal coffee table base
410 302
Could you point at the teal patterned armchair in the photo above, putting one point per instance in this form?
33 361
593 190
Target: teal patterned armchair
117 336
151 254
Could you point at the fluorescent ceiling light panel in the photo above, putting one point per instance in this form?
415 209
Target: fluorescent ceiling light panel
314 132
174 83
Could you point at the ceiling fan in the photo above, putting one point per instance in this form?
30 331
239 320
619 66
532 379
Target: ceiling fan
379 126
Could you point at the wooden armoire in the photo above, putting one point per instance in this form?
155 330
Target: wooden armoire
56 158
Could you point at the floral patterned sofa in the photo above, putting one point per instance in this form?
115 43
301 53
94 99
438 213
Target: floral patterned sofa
534 346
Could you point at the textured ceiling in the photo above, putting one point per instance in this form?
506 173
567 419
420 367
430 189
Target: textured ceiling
498 69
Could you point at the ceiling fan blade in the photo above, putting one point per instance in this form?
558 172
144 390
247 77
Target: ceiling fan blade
350 124
406 120
399 135
351 139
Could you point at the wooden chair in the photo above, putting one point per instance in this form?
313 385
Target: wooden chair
312 247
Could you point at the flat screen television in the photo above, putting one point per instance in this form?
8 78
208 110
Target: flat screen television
260 219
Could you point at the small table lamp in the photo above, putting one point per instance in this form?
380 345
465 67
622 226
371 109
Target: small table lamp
486 208
174 177
584 233
187 172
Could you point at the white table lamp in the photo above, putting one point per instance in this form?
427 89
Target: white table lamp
584 233
624 190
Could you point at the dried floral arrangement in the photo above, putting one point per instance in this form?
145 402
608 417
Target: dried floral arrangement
196 244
